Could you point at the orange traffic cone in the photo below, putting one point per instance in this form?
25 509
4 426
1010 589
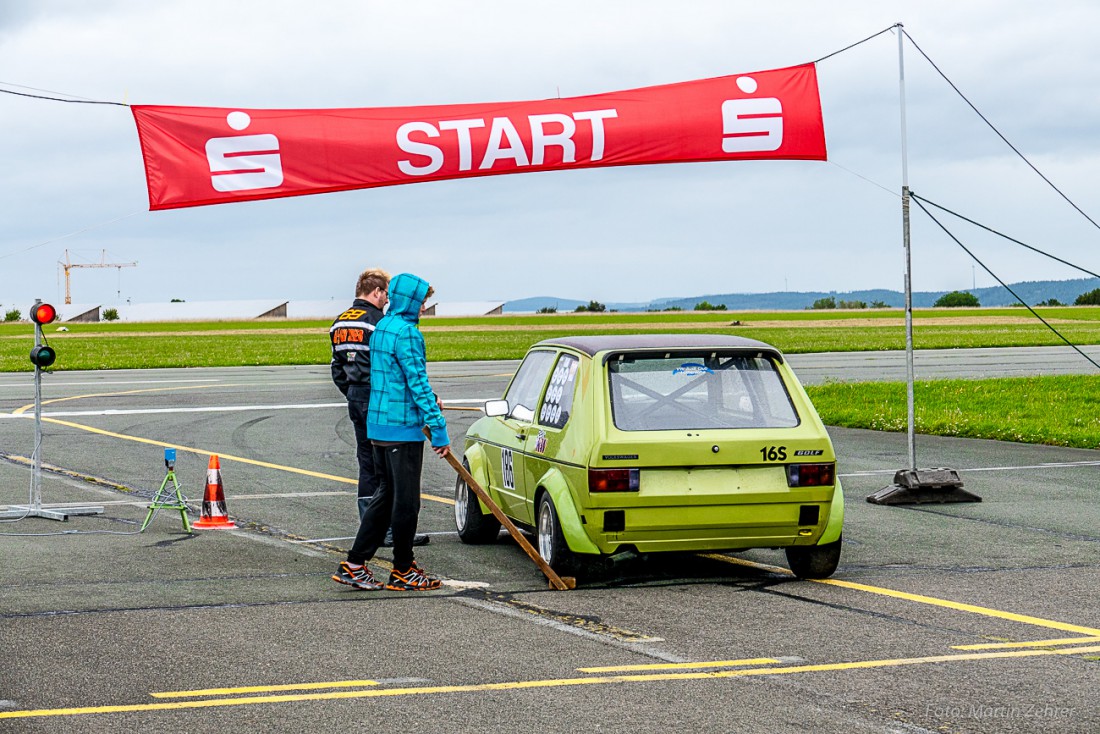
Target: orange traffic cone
213 515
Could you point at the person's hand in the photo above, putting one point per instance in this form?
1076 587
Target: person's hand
442 451
439 402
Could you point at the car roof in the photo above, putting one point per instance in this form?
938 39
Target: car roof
590 345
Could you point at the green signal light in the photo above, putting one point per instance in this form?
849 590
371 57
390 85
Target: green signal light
43 356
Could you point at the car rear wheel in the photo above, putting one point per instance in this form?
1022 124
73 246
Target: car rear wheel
474 528
551 543
814 561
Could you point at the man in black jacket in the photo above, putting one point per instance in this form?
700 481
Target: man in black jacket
350 337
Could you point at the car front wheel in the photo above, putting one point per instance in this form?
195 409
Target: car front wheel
814 561
551 543
474 528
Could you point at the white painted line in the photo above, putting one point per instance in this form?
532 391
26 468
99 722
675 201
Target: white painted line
154 411
1052 465
352 537
454 584
871 473
97 383
205 409
143 502
324 540
285 495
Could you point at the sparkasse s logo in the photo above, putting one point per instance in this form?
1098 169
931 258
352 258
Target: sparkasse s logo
244 162
752 125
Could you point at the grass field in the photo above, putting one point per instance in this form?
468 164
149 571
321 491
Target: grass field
1053 410
276 342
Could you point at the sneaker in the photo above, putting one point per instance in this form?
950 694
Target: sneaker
414 579
418 539
360 578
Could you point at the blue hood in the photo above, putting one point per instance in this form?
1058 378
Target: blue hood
407 294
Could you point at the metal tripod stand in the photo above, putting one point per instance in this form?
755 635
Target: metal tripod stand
168 498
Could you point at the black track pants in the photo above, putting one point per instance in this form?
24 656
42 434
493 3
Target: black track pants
364 451
396 504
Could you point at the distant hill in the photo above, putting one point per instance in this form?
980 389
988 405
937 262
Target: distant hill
1033 292
566 304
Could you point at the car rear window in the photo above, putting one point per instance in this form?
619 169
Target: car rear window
698 390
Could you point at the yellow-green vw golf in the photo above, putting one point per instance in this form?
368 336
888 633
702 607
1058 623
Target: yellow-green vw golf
607 445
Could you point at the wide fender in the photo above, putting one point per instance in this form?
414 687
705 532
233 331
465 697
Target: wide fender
570 520
479 470
836 517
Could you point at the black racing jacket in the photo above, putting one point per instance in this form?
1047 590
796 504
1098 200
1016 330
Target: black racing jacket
350 337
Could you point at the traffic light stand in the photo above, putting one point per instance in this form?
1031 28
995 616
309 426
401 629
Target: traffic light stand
35 508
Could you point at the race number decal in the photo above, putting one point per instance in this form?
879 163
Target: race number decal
506 469
773 453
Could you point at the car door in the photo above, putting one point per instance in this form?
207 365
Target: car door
555 408
506 455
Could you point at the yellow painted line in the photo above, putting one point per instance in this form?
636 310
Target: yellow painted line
921 599
971 608
200 452
748 564
228 457
533 684
266 689
680 666
1035 643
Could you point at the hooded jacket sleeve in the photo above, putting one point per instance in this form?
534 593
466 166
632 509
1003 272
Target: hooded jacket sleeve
411 357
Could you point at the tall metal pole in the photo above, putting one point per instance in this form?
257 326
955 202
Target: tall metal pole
914 485
908 258
36 457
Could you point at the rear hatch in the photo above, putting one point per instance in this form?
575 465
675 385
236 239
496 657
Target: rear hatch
710 445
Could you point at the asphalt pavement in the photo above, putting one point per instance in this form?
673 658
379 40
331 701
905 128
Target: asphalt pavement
976 617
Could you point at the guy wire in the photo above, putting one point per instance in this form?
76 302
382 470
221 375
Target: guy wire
1005 285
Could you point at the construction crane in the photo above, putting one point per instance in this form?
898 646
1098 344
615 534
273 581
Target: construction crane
68 265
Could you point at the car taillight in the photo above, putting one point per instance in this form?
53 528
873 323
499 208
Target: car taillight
613 480
810 475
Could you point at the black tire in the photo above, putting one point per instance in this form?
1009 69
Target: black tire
549 540
814 561
473 527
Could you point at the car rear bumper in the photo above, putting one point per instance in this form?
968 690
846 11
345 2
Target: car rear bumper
699 527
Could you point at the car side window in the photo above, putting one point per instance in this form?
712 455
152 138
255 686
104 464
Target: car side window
523 393
558 400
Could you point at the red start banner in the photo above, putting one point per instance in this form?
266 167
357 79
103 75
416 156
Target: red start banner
207 155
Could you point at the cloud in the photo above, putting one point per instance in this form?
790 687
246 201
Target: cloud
613 235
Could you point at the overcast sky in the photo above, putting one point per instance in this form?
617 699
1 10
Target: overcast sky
72 176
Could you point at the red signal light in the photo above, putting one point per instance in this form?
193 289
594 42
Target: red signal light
43 313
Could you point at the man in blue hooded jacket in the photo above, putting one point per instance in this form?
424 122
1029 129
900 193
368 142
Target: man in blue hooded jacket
402 403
